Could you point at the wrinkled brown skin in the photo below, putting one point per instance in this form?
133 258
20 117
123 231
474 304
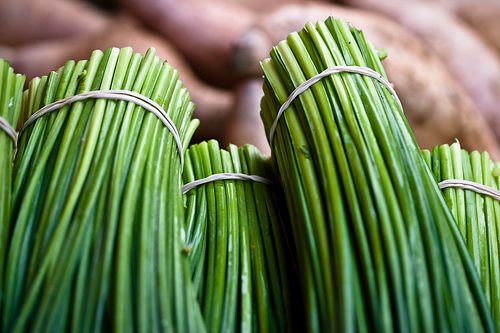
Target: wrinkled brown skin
484 18
245 125
25 21
471 60
436 106
212 105
203 30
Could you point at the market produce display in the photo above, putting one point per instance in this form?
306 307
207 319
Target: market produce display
239 253
112 220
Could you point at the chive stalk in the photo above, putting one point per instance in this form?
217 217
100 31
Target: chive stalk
11 95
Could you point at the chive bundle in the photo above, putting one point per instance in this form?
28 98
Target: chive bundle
236 242
11 86
98 209
377 246
477 215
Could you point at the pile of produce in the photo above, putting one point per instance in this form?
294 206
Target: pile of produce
112 221
217 44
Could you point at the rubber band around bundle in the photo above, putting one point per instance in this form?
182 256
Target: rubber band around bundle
122 95
9 130
472 186
316 78
224 176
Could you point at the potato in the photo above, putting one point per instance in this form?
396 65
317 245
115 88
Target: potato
436 106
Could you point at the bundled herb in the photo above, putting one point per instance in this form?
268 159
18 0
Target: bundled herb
11 88
236 242
377 247
476 215
96 235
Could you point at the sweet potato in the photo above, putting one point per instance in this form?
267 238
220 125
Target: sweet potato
484 18
244 124
454 4
437 107
25 21
203 30
39 58
473 62
264 6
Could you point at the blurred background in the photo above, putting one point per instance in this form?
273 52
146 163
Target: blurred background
443 56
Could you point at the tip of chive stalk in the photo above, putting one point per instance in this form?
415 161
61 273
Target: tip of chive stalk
496 170
382 54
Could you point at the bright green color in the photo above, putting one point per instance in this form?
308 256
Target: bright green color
11 89
377 247
476 215
236 240
98 208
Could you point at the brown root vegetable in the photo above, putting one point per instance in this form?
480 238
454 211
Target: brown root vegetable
436 106
203 30
212 104
244 124
471 60
25 21
484 18
453 4
264 6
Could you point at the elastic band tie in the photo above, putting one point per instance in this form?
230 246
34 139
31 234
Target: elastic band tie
224 176
472 186
9 130
122 95
327 72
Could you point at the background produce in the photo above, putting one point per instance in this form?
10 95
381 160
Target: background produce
442 55
468 57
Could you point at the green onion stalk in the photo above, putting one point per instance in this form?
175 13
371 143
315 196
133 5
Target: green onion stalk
477 215
378 249
237 245
11 90
98 210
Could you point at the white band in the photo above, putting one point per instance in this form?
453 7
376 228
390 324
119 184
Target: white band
327 72
123 95
9 130
468 185
224 176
